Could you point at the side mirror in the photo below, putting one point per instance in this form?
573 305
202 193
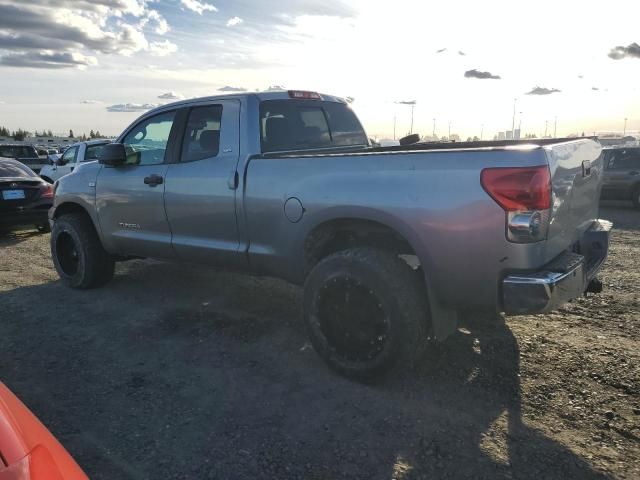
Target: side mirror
60 162
112 154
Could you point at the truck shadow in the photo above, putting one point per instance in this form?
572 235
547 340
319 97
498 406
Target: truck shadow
174 372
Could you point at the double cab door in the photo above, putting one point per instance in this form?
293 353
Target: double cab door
175 197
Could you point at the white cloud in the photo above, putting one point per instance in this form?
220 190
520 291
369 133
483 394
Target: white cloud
229 88
233 21
197 6
90 102
162 49
48 59
131 107
171 96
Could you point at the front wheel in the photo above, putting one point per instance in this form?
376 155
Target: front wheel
366 312
78 255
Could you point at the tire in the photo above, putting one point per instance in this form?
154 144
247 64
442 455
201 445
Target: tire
366 313
78 255
636 197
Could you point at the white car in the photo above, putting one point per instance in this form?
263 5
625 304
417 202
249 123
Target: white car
75 155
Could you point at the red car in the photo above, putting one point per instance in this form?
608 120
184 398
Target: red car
28 451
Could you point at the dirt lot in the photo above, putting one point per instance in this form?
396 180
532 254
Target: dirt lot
181 372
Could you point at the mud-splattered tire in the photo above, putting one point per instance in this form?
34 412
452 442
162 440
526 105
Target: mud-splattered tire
366 312
77 253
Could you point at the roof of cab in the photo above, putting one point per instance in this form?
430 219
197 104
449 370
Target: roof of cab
261 96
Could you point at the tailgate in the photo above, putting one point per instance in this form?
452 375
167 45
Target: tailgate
576 176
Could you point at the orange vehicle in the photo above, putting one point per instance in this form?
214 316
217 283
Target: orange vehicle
28 451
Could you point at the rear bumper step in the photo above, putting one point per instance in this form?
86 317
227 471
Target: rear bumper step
566 277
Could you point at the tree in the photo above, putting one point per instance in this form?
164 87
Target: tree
4 132
92 134
98 134
84 137
49 133
19 135
71 134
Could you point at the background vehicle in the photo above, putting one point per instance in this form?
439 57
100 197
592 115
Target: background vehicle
71 158
389 242
28 451
622 174
26 154
24 197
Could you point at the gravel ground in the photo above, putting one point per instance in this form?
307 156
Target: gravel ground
176 371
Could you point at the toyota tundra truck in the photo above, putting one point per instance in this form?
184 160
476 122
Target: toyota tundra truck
390 243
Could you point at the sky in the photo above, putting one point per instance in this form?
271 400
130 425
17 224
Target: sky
99 64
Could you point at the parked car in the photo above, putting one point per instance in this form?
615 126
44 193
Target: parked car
24 197
622 174
28 451
390 243
71 158
26 154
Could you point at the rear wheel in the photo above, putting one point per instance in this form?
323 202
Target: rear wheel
78 255
366 312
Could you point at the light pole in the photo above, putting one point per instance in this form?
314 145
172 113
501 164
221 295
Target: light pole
546 124
412 107
449 137
555 126
481 131
434 128
513 119
519 127
624 132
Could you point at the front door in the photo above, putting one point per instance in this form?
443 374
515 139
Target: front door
130 197
622 174
200 191
65 167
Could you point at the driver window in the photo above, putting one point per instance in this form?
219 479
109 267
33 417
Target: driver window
70 155
146 143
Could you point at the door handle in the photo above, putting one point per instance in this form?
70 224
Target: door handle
153 180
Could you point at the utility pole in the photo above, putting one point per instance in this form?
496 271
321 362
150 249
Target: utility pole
624 132
546 124
481 130
513 119
449 137
555 126
520 127
434 128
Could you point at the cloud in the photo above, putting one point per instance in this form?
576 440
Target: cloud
275 88
461 53
233 21
580 76
198 7
542 91
406 102
90 102
162 49
228 88
481 75
171 96
441 50
595 89
131 107
350 99
632 51
68 31
47 59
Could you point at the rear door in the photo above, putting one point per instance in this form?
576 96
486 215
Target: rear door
130 197
201 186
622 173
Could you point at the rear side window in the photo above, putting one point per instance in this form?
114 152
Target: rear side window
297 125
624 159
15 170
91 153
202 133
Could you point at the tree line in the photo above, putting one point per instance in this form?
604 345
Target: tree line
19 135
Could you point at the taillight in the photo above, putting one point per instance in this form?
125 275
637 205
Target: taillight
524 193
46 191
518 188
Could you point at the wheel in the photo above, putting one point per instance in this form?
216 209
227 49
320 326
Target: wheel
636 197
366 312
44 227
77 253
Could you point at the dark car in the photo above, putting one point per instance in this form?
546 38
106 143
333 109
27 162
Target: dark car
26 154
24 197
622 174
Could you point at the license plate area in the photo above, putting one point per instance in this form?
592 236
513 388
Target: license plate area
13 195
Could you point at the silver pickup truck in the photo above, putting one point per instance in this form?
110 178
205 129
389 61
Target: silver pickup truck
390 243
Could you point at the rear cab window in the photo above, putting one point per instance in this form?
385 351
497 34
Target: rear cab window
290 125
9 170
